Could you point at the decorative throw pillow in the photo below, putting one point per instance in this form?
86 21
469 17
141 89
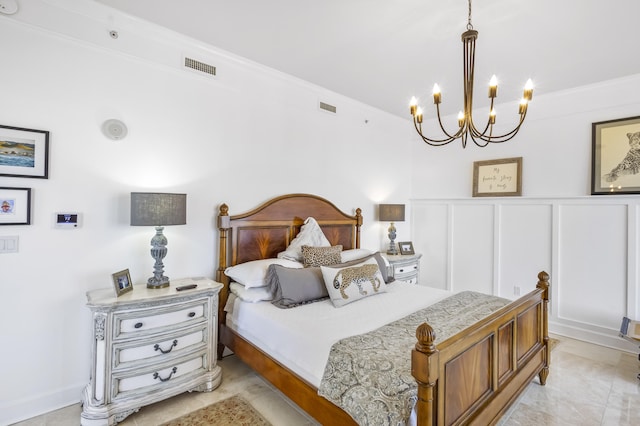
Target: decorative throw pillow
253 295
310 235
351 283
253 273
383 264
294 287
321 256
354 254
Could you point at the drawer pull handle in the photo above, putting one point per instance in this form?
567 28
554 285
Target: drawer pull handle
192 314
138 325
157 347
415 267
401 270
156 375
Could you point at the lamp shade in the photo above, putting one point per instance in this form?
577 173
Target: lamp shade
158 209
391 212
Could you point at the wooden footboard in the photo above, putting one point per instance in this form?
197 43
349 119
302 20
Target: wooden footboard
474 376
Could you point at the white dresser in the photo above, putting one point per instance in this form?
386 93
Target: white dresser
148 345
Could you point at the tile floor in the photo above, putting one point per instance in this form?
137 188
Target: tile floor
587 385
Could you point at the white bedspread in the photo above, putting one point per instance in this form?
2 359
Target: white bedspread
301 337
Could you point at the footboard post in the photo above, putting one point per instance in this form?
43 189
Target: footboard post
543 284
424 368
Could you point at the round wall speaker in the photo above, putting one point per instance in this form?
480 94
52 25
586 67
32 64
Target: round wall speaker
114 129
8 7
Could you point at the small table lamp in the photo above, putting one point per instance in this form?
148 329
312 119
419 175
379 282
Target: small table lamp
159 210
391 213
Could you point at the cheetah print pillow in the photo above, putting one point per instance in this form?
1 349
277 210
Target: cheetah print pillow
321 256
348 284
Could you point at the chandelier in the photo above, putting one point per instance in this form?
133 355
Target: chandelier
466 125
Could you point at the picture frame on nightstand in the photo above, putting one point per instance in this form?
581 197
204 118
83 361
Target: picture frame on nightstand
406 247
122 282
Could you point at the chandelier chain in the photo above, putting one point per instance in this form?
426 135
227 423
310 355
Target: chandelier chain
469 26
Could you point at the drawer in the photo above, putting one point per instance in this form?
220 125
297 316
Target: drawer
405 269
161 319
128 353
144 381
411 279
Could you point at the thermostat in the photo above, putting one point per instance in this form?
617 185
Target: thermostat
67 220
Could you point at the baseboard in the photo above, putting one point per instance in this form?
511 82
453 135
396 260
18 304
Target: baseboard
19 410
610 340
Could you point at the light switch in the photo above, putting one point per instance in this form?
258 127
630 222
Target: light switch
9 244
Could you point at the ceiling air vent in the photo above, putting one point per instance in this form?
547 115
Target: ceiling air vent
327 107
199 66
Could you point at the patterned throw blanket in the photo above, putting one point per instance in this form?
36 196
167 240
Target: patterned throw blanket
369 376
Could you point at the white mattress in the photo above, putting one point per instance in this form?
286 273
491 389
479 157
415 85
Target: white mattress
301 337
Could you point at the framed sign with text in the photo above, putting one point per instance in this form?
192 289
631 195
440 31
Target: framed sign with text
497 178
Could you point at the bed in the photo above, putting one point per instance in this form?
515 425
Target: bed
470 377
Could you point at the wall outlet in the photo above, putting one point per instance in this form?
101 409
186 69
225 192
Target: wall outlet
516 290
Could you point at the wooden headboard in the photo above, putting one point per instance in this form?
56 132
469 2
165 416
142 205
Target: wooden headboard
264 232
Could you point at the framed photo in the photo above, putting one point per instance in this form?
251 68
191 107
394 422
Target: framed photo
497 178
615 157
15 206
406 247
24 152
122 282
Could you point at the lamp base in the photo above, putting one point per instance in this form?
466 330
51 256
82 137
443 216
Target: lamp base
154 282
392 237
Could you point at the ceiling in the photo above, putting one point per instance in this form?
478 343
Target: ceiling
381 52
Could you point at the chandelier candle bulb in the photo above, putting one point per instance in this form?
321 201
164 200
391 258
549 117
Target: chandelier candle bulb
528 90
419 116
437 96
460 119
523 106
413 105
492 116
493 87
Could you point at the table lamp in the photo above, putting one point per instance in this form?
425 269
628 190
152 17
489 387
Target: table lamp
159 210
391 213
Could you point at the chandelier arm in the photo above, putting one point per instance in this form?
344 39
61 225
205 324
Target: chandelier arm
455 135
429 141
501 138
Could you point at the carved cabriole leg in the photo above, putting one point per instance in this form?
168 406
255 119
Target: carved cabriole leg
543 284
224 222
424 368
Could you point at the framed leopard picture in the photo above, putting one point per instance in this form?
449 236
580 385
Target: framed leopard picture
615 157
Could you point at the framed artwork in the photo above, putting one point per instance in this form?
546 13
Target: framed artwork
122 282
24 152
497 178
406 247
15 206
615 156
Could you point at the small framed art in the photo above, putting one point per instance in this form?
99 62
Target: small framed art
615 157
24 152
15 206
497 178
122 282
406 247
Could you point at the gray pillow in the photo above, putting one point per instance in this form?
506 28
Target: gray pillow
293 286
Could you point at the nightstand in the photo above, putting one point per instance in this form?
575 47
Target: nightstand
404 267
148 345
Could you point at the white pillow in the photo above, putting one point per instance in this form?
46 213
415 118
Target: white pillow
253 274
310 235
253 295
351 283
353 254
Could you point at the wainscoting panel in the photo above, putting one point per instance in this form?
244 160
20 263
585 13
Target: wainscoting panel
589 246
592 264
472 228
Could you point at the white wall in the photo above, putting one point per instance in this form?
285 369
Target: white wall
589 244
246 136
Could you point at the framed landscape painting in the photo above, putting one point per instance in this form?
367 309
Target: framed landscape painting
24 152
615 157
